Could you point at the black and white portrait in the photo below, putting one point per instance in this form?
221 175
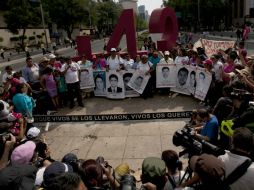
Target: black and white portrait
100 83
139 81
129 92
115 85
182 82
86 79
165 75
204 80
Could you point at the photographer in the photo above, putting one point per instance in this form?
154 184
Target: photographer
92 172
208 132
153 175
242 142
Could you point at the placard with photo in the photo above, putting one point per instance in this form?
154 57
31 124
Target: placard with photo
100 83
114 85
139 81
165 75
204 80
86 79
129 92
182 79
192 79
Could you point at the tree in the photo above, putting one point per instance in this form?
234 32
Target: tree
141 24
67 14
107 14
21 15
189 12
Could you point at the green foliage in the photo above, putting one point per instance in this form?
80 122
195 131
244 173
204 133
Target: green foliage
67 13
22 37
38 36
31 38
141 24
1 39
14 39
107 15
211 12
21 15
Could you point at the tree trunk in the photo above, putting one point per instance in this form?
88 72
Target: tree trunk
22 39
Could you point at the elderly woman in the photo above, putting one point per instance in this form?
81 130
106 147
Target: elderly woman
146 67
22 102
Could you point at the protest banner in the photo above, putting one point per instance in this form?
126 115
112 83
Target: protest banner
165 75
212 46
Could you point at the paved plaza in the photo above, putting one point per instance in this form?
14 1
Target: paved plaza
118 142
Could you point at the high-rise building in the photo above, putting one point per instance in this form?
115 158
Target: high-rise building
129 4
142 11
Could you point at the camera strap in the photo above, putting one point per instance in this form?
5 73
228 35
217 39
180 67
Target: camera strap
237 173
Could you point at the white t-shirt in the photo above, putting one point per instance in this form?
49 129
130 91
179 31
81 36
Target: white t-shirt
114 64
232 161
39 176
217 68
144 67
72 74
169 61
5 75
182 60
128 64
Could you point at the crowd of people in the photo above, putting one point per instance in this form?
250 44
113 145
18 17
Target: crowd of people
225 122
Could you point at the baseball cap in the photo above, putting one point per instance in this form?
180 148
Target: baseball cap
208 62
208 167
70 158
23 153
55 169
166 53
51 56
153 167
113 49
33 132
44 59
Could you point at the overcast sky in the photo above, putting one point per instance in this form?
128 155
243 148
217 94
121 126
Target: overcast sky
150 4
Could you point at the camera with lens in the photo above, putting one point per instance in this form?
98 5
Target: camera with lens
242 95
128 182
193 146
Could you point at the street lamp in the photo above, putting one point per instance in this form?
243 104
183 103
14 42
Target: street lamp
43 21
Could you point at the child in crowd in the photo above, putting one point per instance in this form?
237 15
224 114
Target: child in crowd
62 88
48 83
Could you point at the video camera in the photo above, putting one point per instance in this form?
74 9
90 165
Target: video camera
241 94
193 146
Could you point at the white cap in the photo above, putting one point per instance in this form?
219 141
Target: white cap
113 49
51 56
166 53
33 132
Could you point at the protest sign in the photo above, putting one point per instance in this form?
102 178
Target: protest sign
100 83
139 81
129 92
212 46
86 79
114 85
182 79
165 75
204 80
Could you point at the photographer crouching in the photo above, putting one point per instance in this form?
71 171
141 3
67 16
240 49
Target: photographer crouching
208 131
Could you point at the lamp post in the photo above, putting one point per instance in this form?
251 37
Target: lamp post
43 21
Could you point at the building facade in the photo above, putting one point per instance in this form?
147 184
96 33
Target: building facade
242 10
129 4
